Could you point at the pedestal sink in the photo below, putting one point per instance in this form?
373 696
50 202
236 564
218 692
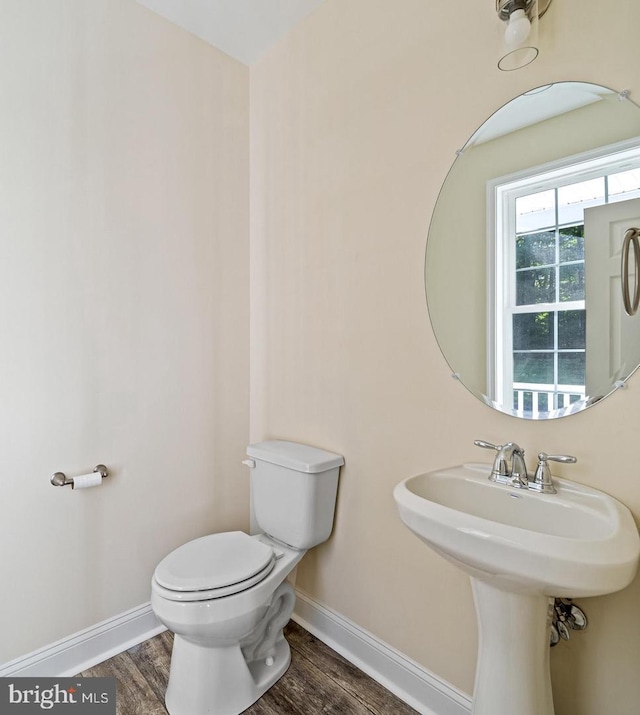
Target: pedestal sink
521 549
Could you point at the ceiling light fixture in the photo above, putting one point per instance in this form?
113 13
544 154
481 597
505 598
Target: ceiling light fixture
520 40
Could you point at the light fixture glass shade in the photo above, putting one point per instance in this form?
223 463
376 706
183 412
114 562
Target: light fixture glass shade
519 38
518 29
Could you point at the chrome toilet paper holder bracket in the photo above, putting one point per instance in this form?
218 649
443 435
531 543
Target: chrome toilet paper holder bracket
59 479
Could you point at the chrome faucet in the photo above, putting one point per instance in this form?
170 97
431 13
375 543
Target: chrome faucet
508 466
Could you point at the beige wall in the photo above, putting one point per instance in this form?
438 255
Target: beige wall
123 305
355 119
124 278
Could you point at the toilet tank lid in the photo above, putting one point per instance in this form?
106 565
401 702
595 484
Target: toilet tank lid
292 455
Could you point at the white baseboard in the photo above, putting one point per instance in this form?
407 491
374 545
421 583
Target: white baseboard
412 683
87 648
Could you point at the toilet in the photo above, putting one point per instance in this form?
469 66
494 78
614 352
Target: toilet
225 596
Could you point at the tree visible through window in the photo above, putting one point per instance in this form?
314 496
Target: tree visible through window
548 314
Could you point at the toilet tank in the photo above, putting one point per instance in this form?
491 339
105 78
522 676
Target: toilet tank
293 491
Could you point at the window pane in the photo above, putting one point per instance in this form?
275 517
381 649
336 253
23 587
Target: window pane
572 329
575 198
527 401
535 286
543 402
572 243
572 282
535 211
625 197
571 368
533 331
536 249
624 185
533 367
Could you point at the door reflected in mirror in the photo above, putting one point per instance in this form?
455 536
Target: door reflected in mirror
523 266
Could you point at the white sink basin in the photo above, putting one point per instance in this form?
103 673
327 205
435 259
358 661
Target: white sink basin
578 542
521 548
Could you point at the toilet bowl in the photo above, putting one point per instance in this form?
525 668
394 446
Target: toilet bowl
225 595
228 645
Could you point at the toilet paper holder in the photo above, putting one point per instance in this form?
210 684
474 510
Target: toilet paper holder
59 479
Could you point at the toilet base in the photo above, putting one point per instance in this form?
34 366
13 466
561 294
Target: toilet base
215 676
219 681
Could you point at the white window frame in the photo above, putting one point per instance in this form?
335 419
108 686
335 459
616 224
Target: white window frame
501 194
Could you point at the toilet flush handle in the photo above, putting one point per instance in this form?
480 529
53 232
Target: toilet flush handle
249 463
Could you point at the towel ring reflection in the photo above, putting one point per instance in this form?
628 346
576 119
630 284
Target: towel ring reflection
631 237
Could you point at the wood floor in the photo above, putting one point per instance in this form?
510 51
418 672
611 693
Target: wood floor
318 682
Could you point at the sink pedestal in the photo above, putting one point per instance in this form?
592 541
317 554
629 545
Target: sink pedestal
512 675
517 544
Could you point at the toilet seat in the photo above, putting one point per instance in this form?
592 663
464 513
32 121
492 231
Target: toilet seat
213 566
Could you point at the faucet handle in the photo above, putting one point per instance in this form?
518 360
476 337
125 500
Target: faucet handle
566 458
500 468
542 481
487 445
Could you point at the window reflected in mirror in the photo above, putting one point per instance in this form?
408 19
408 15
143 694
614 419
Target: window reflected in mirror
541 327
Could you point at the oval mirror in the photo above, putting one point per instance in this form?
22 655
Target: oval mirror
523 264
